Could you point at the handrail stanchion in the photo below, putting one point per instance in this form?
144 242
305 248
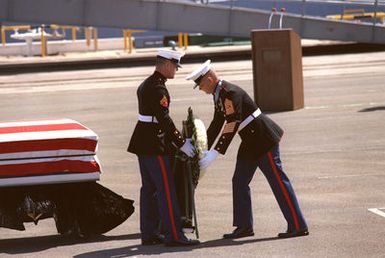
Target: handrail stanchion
125 39
273 10
3 36
6 28
375 13
73 29
95 37
180 39
42 40
129 35
185 40
281 17
63 28
87 32
303 7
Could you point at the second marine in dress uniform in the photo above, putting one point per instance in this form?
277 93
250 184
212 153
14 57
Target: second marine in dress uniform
259 148
154 139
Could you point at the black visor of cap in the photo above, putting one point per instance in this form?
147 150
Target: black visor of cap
199 80
175 61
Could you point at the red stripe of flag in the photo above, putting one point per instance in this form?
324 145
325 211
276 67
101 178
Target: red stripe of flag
47 145
41 128
52 167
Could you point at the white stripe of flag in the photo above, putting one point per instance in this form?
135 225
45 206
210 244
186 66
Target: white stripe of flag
59 134
41 154
39 122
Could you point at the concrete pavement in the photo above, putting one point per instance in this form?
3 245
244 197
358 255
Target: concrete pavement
332 150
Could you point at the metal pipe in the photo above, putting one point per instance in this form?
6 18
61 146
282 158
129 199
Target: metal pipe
65 27
375 13
3 37
87 32
17 27
337 2
95 36
273 10
303 7
374 20
230 16
180 40
185 40
281 17
125 40
74 33
129 37
42 40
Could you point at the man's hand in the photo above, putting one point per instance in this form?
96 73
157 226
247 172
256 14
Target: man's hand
209 157
188 148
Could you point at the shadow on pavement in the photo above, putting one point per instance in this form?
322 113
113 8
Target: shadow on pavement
379 108
135 250
37 244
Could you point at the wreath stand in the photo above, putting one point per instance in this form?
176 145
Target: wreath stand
185 182
185 192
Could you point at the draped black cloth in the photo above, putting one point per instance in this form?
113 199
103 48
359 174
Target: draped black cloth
79 209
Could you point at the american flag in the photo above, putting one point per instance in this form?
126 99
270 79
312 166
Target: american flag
47 151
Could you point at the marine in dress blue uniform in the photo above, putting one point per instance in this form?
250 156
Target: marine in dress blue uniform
259 147
154 139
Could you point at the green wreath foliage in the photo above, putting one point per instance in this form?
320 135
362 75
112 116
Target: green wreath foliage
197 132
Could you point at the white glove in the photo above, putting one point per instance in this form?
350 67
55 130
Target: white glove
209 157
188 148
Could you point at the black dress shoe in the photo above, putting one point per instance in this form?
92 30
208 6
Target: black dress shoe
180 242
296 233
155 240
239 232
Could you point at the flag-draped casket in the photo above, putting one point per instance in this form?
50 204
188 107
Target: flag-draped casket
47 151
48 168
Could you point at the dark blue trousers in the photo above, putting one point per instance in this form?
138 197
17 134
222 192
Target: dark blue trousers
271 167
158 201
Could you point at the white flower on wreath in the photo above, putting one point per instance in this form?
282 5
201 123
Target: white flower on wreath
199 138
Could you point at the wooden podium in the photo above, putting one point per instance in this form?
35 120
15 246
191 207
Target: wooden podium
277 69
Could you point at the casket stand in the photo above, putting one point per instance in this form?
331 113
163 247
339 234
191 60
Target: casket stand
79 209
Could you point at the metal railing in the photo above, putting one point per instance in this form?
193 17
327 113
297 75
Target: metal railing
356 2
40 34
376 12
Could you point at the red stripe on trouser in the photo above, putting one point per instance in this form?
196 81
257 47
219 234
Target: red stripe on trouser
168 197
285 194
49 167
